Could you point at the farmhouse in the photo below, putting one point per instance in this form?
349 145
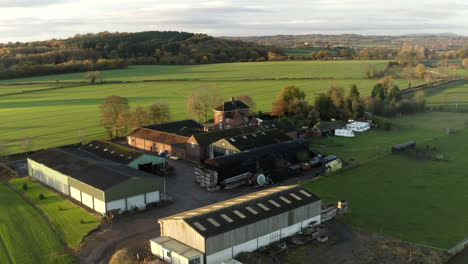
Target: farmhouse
245 142
218 232
127 156
233 113
327 128
286 126
102 185
271 160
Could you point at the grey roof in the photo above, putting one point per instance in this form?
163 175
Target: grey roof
285 126
257 139
177 247
177 126
212 136
87 167
112 151
232 106
228 215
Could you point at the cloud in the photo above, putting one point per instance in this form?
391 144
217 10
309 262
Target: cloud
30 3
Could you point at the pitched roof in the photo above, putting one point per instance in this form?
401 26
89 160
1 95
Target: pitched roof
228 215
257 139
215 135
329 126
177 126
232 106
87 168
158 136
112 151
286 126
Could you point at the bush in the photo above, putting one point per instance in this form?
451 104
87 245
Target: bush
25 186
41 196
383 122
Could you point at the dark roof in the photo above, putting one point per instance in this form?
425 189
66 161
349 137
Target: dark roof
158 136
257 139
211 220
112 151
176 127
286 126
329 126
232 106
87 167
215 135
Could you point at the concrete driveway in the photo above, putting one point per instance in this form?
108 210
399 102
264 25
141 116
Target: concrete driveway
135 231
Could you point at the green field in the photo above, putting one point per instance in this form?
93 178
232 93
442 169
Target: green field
65 215
53 118
25 235
451 96
414 200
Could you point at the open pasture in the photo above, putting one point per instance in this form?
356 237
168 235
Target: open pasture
419 201
53 118
26 237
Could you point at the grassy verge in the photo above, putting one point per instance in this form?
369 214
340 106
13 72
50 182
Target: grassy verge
72 221
26 235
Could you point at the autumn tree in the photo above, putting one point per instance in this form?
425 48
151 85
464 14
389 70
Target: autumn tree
247 100
159 112
140 117
378 92
113 112
288 99
420 71
352 103
323 105
92 76
202 101
465 63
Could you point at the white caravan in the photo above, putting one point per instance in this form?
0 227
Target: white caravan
358 126
344 133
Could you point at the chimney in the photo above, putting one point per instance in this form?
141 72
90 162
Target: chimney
233 99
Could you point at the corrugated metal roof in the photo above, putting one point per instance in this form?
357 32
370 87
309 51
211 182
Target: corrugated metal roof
244 210
177 247
177 126
158 136
87 168
112 151
256 140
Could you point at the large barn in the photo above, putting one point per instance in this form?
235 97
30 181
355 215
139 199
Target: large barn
102 185
218 232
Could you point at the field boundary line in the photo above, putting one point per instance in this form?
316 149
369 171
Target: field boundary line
459 246
3 245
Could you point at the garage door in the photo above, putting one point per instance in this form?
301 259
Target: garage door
87 200
75 194
136 201
152 197
116 205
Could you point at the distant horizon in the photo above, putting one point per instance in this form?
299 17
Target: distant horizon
35 20
443 34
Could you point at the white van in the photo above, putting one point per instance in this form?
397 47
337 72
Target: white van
344 133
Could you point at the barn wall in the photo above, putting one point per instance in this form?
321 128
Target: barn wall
48 176
289 223
179 230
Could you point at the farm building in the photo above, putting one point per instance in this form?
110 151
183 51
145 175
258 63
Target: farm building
102 185
404 146
127 156
178 127
327 128
218 232
157 141
287 127
245 142
233 113
271 160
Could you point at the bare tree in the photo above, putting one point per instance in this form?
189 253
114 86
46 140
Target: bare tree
114 111
247 100
159 112
140 117
202 101
92 76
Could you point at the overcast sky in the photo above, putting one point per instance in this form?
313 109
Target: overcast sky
26 20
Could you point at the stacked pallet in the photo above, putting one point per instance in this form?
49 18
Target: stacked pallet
206 178
328 212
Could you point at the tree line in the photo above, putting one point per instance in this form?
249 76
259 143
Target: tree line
106 50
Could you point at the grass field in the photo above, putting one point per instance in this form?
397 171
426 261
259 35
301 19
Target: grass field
398 196
25 235
54 117
227 71
453 96
65 215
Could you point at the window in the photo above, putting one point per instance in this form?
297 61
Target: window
195 261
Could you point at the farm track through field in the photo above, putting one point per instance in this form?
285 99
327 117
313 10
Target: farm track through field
5 249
